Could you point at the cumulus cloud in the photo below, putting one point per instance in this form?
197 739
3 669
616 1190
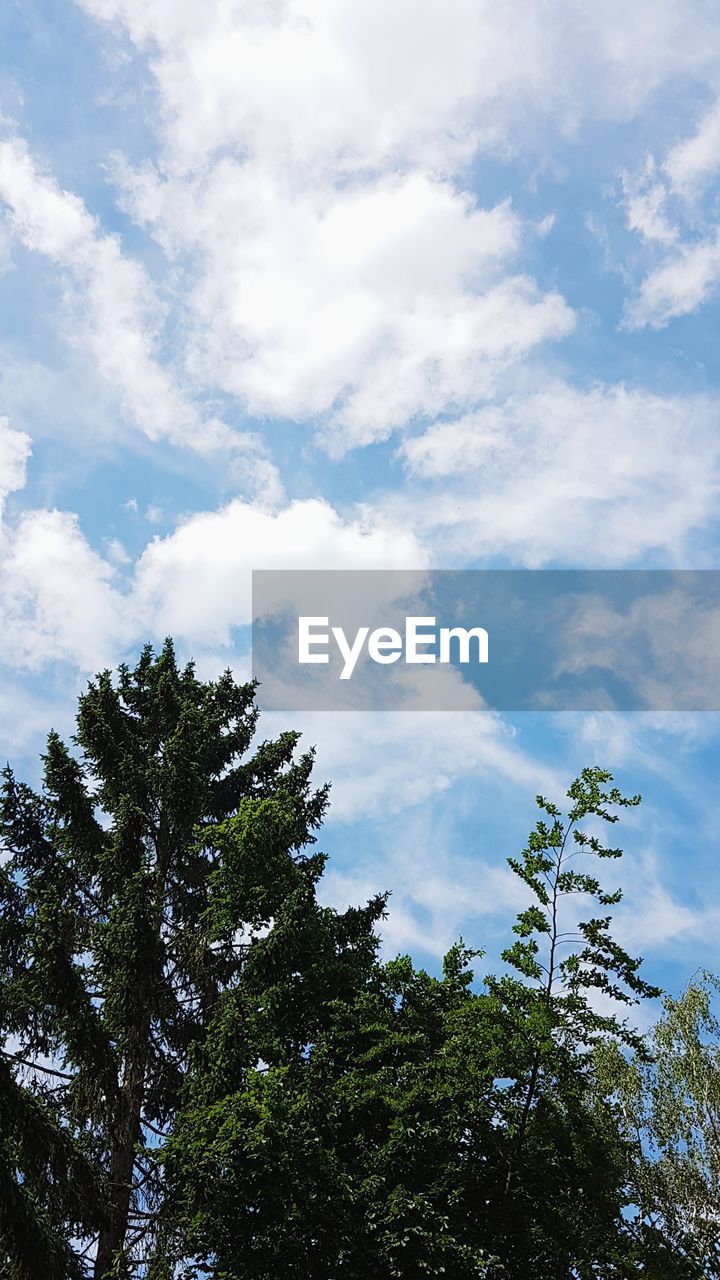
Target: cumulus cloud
524 479
195 583
311 179
329 82
63 603
337 271
357 306
604 475
60 600
309 187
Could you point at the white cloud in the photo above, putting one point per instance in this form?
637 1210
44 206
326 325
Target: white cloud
690 163
119 316
677 287
116 552
310 180
14 453
596 477
435 898
666 643
330 82
633 739
651 918
359 306
645 199
666 206
62 601
26 714
439 893
397 773
195 583
58 600
339 273
389 761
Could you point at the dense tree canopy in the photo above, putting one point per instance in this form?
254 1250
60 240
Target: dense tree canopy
136 885
431 1128
206 1073
671 1111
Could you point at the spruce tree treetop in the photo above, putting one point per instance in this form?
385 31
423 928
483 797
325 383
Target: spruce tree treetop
204 1072
138 885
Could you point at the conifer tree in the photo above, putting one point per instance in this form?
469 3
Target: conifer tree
139 884
48 1191
203 1071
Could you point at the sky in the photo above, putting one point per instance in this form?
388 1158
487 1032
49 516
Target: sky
344 284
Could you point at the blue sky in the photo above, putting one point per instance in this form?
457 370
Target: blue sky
336 284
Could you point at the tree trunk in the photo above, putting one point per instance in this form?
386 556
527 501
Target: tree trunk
122 1164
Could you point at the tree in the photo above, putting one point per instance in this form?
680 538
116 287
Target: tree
48 1191
138 885
206 1072
354 1159
47 1188
553 1111
671 1111
428 1128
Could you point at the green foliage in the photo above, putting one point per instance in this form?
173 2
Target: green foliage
47 1189
428 1128
136 889
595 961
671 1111
559 1210
205 1072
357 1157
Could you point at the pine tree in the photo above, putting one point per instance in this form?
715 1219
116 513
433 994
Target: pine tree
138 885
206 1072
48 1192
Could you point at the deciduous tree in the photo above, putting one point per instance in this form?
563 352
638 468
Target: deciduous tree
428 1127
671 1111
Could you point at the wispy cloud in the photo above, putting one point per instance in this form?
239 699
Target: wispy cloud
594 477
117 314
667 204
